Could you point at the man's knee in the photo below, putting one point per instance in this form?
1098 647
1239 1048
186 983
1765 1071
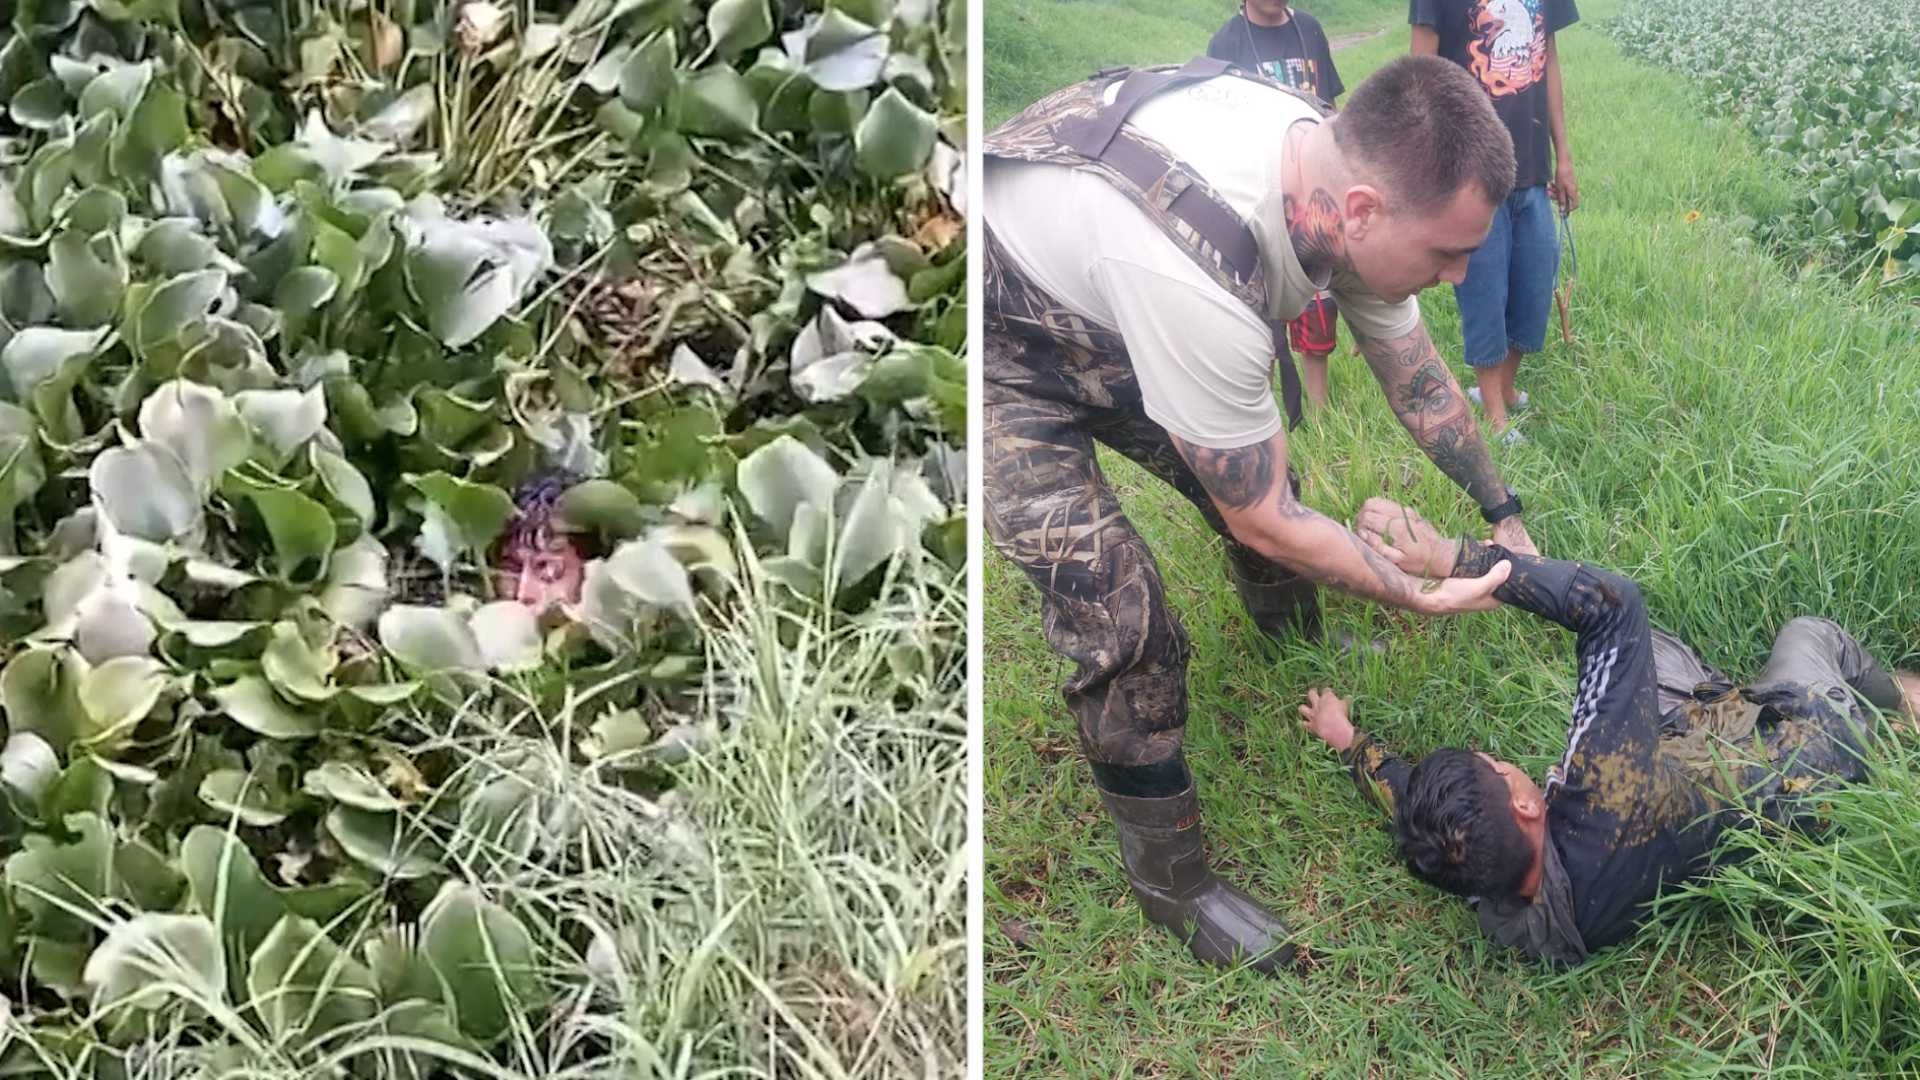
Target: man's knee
1812 637
1139 712
1132 700
1812 626
1147 637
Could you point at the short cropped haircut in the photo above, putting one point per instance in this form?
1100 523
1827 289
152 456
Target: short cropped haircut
1424 128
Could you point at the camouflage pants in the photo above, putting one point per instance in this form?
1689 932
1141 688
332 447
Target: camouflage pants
1795 728
1055 386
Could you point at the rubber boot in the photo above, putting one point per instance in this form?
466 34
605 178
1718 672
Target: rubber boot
1284 604
1163 849
1280 602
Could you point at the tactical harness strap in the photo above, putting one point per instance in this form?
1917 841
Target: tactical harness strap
1171 186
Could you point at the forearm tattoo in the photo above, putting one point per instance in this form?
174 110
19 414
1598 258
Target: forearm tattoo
1388 582
1247 476
1238 478
1415 379
1425 391
1381 581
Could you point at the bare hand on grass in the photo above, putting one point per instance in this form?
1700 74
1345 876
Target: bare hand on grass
1326 718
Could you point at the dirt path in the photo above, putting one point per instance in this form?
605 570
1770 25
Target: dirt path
1345 40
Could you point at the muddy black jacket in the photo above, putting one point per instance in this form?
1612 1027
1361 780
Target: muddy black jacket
1623 818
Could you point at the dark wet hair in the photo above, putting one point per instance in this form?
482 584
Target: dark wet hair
1456 829
1426 129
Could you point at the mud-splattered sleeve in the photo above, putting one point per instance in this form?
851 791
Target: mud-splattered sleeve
1615 724
1380 774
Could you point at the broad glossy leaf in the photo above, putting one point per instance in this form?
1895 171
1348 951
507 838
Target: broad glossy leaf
245 797
648 76
175 304
305 986
508 636
356 585
462 516
22 470
153 958
146 492
734 26
40 688
718 102
351 785
40 105
486 956
301 529
429 639
601 506
896 137
36 354
202 428
283 420
227 886
865 283
838 51
782 476
252 704
384 842
296 669
56 885
87 276
117 695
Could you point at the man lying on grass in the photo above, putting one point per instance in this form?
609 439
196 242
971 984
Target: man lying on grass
1661 754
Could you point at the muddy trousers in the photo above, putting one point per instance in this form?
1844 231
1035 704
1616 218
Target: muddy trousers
1804 725
1056 386
1051 511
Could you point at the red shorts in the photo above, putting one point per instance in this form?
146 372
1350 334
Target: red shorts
1313 331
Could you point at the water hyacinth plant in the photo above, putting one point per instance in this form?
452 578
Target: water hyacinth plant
1832 90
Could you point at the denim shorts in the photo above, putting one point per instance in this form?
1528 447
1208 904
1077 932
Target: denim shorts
1508 293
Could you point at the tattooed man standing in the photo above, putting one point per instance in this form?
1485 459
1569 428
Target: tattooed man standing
1148 234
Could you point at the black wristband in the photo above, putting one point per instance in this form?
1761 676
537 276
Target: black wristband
1497 514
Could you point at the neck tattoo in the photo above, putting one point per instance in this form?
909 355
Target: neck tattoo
1314 223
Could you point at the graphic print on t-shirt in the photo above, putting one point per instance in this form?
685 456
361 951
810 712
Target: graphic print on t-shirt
1509 49
1297 72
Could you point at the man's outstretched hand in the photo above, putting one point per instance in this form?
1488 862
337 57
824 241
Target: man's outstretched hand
1455 596
1326 718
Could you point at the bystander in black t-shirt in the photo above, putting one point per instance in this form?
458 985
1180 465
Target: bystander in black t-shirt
1503 44
1295 53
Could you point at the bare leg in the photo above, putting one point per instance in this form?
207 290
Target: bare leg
1313 371
1509 370
1493 395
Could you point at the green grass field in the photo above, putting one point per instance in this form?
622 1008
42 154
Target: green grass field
1033 46
1735 440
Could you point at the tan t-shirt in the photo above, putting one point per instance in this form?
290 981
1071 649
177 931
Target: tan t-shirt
1203 358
